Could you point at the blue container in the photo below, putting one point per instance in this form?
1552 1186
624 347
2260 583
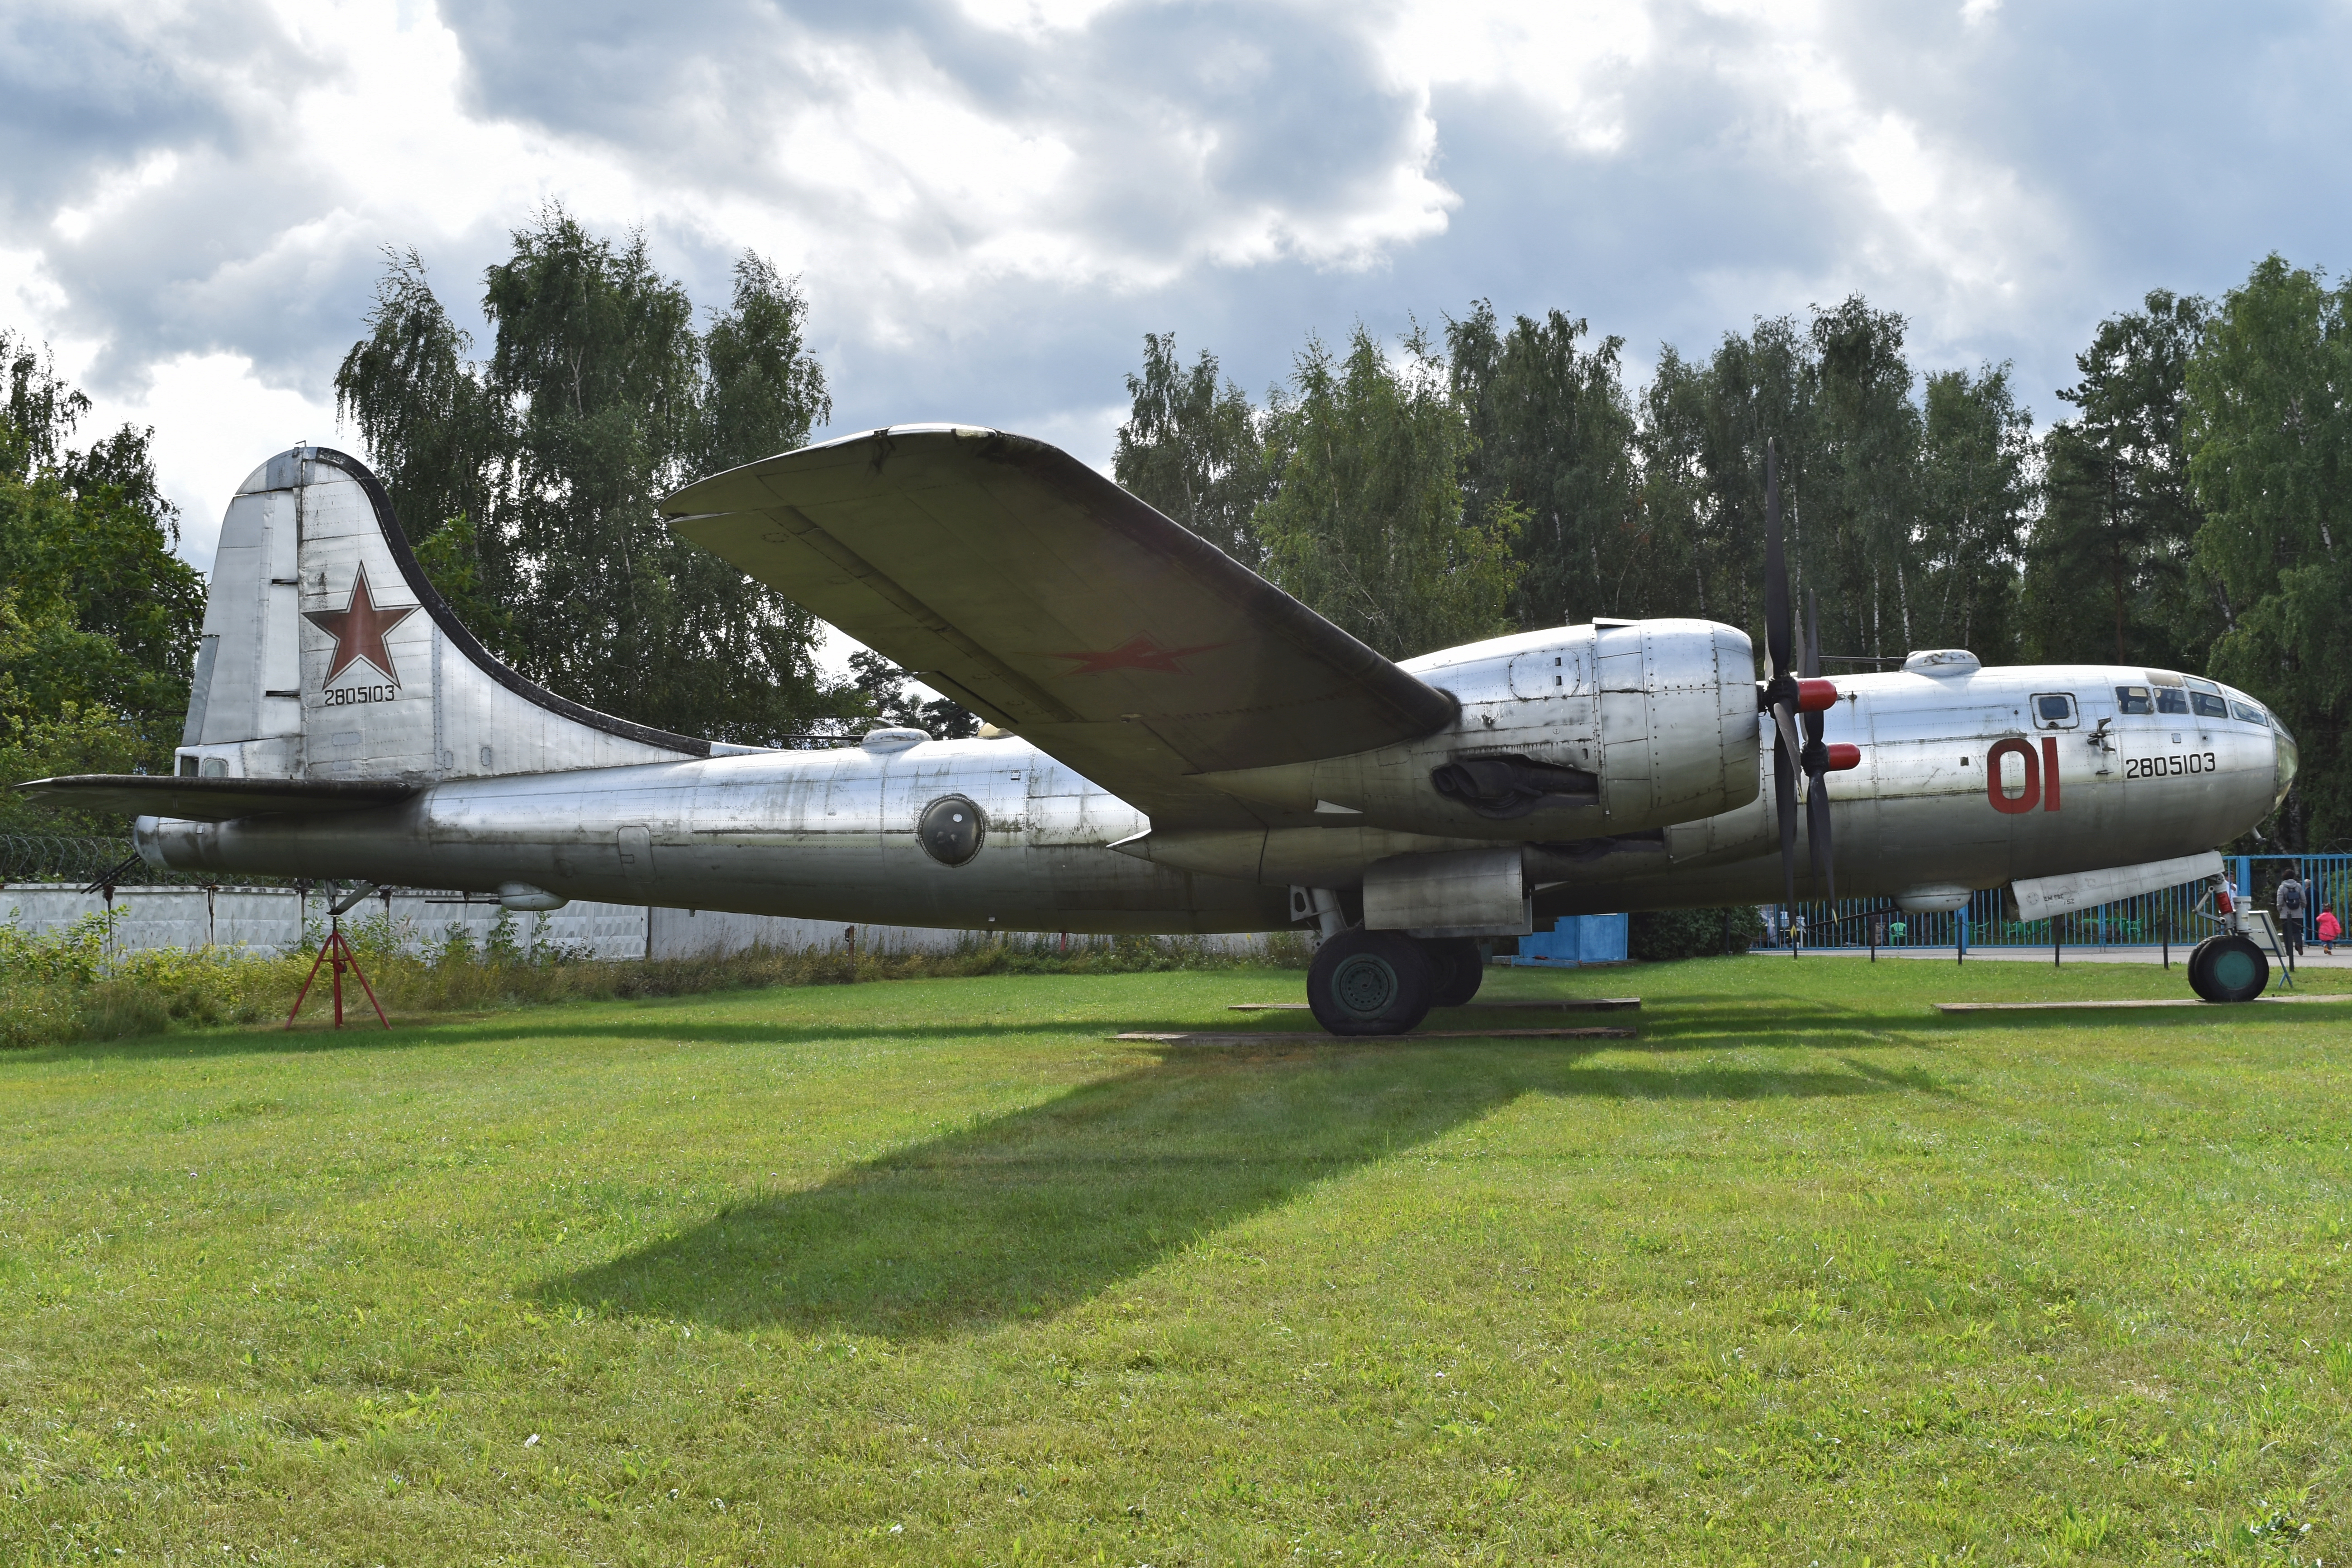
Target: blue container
1577 939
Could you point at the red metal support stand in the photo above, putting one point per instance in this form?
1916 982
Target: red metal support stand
337 951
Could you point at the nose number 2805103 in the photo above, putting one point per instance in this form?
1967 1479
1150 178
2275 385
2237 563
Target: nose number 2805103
2164 766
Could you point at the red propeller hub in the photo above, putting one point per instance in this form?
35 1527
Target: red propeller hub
1842 756
1815 697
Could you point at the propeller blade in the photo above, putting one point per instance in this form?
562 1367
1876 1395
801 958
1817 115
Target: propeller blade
1816 760
1784 799
1781 696
1817 834
1776 570
1786 724
1813 667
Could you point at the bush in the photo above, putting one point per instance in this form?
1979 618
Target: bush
1658 934
62 985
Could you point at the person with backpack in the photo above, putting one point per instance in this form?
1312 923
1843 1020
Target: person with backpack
2290 900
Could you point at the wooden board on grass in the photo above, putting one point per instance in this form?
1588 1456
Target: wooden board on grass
1296 1036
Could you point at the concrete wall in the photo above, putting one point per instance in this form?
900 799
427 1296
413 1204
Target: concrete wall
274 919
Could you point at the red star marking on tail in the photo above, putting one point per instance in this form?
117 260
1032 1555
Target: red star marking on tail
1138 652
357 629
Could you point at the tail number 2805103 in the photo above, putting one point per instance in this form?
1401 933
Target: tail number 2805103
2165 767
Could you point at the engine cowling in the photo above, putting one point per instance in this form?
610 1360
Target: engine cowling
1576 733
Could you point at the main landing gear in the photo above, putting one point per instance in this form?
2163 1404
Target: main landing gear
1385 982
2228 968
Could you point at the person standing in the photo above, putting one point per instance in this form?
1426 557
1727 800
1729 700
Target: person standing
2290 902
2330 932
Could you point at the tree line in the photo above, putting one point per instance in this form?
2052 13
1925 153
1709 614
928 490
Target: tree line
1502 475
1487 476
99 617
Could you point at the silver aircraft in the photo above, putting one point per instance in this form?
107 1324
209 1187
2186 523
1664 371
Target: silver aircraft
1173 744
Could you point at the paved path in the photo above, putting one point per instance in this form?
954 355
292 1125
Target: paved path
2315 959
2110 1006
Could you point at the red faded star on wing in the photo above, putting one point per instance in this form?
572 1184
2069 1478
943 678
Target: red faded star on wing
1138 652
357 629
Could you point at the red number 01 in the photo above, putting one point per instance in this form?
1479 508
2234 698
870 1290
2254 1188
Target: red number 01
2041 776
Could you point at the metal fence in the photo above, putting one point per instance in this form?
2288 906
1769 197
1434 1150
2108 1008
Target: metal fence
2151 920
99 862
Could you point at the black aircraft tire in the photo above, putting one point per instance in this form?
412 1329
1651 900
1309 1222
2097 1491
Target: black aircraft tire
2228 969
1456 970
2196 964
1369 983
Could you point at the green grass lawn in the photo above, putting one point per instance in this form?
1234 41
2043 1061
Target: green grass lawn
935 1272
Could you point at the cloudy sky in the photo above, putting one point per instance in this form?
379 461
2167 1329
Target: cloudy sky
990 201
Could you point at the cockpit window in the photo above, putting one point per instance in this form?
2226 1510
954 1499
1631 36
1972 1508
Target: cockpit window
2249 713
2053 710
2171 700
2132 699
2209 705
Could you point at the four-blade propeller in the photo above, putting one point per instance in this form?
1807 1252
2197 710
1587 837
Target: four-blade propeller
1787 697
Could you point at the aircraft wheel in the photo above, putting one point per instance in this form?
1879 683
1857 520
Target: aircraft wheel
2228 969
1456 970
1369 983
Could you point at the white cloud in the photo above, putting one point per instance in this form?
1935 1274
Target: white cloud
990 200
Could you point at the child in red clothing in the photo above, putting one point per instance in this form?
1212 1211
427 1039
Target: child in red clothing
2330 930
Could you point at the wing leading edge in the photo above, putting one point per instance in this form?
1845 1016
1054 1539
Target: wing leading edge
1017 580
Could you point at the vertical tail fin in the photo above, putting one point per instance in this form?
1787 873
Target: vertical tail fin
327 655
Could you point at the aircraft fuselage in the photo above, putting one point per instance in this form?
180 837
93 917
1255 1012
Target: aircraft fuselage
1965 780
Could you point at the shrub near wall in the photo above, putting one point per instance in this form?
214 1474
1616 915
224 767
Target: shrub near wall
66 985
1659 934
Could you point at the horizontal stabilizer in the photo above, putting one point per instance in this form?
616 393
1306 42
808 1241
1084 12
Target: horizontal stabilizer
1026 585
208 800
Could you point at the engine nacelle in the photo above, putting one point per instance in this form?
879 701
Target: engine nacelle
1614 728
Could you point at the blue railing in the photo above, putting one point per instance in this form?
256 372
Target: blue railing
2151 920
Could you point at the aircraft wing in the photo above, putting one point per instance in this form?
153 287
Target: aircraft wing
208 800
1044 598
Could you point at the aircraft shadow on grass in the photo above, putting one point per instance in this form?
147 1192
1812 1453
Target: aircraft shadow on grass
1693 1023
1026 1215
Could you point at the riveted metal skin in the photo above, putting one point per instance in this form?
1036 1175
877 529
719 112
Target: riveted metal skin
1661 713
342 734
1917 809
825 835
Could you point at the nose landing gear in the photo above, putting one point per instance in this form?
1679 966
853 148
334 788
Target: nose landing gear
2228 968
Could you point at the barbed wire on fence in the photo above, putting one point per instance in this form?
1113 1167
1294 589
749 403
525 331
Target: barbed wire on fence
85 860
